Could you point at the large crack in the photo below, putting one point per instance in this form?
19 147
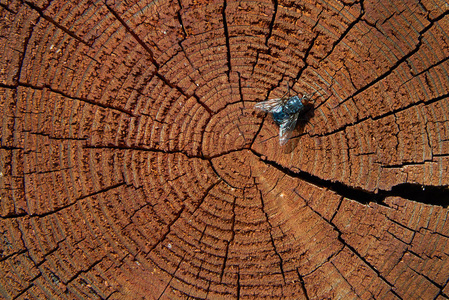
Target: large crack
433 195
427 194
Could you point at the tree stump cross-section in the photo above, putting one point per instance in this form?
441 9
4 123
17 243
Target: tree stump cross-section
134 166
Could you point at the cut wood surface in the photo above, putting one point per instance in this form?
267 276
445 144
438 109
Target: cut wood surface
134 166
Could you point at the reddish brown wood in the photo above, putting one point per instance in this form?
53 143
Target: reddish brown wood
133 165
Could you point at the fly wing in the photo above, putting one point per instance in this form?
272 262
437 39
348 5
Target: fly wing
286 128
271 105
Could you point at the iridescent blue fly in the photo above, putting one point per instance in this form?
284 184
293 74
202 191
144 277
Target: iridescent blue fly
285 112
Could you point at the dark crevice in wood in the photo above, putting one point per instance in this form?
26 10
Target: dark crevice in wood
19 295
169 226
268 36
178 14
8 86
5 7
257 133
154 62
65 95
303 284
345 33
50 20
345 280
201 200
433 195
10 148
13 215
89 268
354 251
389 113
399 61
57 138
226 33
229 242
271 26
172 276
238 283
267 219
134 35
306 55
337 209
3 258
58 209
220 177
240 86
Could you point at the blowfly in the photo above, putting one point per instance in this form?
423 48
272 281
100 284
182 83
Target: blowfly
285 111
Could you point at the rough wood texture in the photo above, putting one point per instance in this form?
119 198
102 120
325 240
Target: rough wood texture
134 166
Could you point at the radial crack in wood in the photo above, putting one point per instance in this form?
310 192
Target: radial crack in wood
133 164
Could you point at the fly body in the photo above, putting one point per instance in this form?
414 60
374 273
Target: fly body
291 107
285 111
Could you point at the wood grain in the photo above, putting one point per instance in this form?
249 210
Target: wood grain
134 166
